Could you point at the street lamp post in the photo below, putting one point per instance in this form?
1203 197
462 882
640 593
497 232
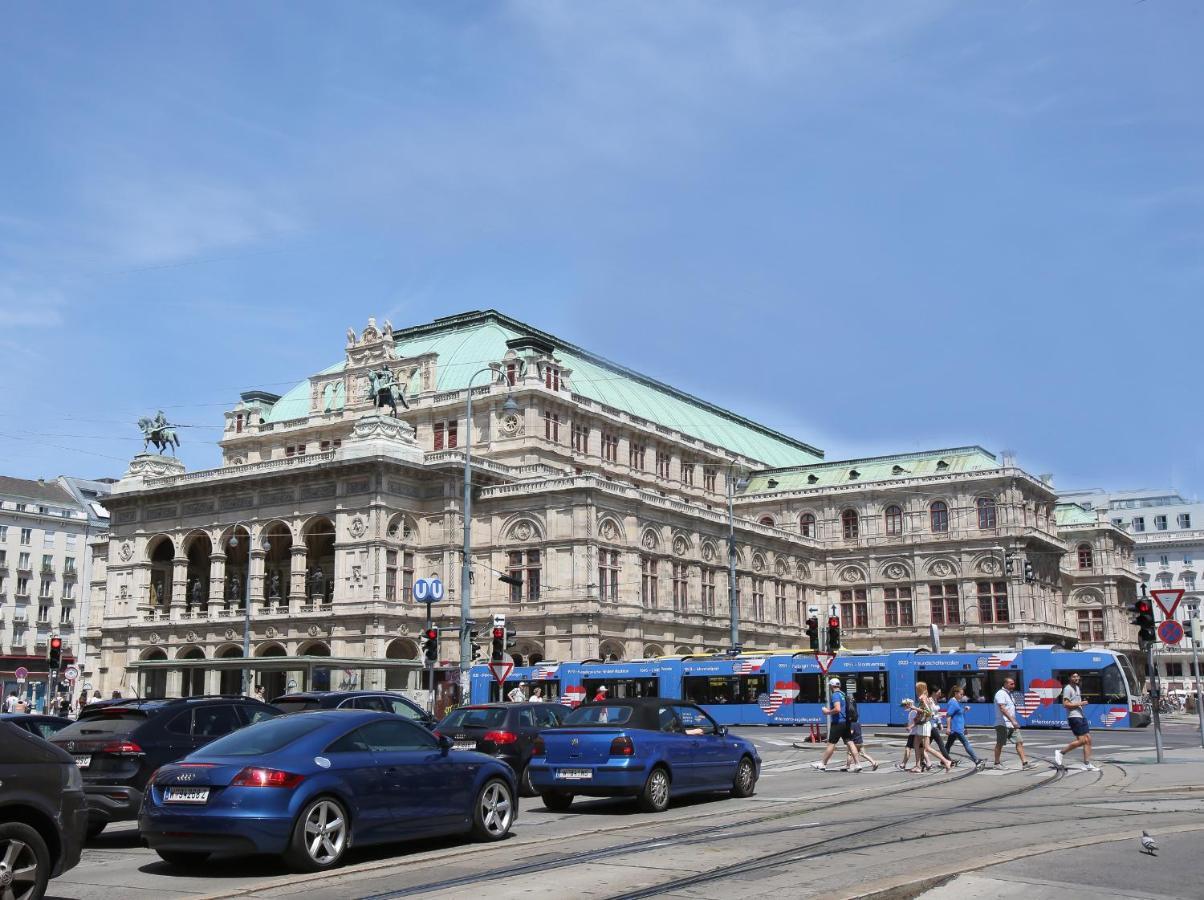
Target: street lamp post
246 603
733 596
510 406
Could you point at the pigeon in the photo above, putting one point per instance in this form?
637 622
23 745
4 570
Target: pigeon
1148 845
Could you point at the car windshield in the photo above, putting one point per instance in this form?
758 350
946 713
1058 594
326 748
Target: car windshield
265 737
475 717
296 704
593 714
113 723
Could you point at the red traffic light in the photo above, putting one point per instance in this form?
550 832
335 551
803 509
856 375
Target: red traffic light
833 622
56 643
432 634
499 633
1143 606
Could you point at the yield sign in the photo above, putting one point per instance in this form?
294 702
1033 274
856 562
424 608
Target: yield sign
825 661
501 671
1173 596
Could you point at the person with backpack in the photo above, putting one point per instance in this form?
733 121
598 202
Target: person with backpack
855 739
838 727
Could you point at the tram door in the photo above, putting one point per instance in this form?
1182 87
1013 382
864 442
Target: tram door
622 688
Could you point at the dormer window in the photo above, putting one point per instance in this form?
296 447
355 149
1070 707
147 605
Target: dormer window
941 465
551 378
511 374
898 470
238 423
812 479
854 474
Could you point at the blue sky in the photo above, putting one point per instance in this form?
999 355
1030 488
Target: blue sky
878 227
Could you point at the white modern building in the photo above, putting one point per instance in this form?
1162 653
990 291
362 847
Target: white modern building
45 570
1168 531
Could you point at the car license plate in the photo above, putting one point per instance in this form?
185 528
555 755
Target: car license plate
464 745
574 774
83 761
186 795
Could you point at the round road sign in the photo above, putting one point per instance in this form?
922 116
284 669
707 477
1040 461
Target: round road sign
1170 632
71 673
22 673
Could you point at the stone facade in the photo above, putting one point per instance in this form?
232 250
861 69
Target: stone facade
606 492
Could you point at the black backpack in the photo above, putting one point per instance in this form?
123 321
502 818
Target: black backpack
851 714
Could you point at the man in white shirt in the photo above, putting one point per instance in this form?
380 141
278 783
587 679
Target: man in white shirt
1007 727
1073 703
10 702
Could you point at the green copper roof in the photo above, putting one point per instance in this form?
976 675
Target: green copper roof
469 342
873 469
1073 514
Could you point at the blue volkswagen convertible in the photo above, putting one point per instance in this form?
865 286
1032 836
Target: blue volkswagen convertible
309 786
647 748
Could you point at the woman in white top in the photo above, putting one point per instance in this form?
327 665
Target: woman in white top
924 728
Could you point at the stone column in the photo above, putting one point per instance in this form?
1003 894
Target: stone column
179 590
255 575
217 584
174 679
296 577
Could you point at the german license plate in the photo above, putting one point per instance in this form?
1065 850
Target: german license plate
574 774
83 761
186 795
464 745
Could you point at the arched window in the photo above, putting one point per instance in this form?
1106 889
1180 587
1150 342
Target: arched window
1086 557
938 514
894 520
806 525
766 520
848 522
986 512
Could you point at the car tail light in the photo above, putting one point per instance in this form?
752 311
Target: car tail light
501 737
622 746
253 776
121 748
537 748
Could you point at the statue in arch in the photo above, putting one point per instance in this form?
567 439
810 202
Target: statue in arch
233 587
317 583
197 592
274 584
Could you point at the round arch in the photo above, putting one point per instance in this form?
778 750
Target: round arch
399 648
160 552
198 547
229 651
612 650
271 648
154 681
314 648
192 678
276 539
319 537
192 651
153 653
683 651
651 651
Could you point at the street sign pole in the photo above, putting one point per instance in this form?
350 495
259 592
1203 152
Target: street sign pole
1193 636
1155 697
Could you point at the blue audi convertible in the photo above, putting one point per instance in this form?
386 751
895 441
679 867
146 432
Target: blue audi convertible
309 786
648 748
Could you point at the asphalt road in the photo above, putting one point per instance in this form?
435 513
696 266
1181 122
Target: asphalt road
803 833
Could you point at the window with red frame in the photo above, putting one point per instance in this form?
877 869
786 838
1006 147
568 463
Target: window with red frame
551 426
1086 557
944 601
894 520
938 515
854 608
850 524
806 525
993 601
897 605
986 512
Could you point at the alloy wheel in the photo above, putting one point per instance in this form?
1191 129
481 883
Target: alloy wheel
18 870
659 789
325 832
744 777
497 809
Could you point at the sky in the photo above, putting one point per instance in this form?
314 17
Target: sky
877 227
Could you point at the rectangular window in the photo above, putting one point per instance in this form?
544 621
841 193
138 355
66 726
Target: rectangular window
681 587
581 438
993 601
71 536
47 562
687 474
1164 560
779 602
69 590
26 536
1187 558
708 592
438 439
635 456
405 590
48 537
854 609
525 566
1160 523
758 599
65 615
708 480
551 378
1141 560
44 612
898 606
290 451
1185 520
1139 523
1174 670
3 532
721 689
551 426
511 374
608 575
1091 625
945 604
238 423
44 588
23 562
69 565
610 447
22 587
453 433
648 582
662 464
300 449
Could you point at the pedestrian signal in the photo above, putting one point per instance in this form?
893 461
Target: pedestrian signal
1143 617
833 634
813 633
430 644
499 644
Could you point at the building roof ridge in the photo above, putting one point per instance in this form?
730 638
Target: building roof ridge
485 316
919 454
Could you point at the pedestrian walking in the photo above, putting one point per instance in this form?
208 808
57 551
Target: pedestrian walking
10 702
537 695
1073 703
96 698
21 706
926 713
857 741
838 729
516 694
601 694
259 694
1007 727
957 725
909 705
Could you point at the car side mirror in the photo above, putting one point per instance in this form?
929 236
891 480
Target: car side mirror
721 730
445 744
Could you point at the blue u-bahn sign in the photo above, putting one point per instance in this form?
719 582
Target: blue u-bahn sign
428 590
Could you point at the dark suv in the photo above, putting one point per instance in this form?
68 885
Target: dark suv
118 746
43 813
380 701
504 730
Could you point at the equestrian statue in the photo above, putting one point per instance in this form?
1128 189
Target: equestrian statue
384 390
159 432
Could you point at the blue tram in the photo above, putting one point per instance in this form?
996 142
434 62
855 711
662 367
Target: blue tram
789 689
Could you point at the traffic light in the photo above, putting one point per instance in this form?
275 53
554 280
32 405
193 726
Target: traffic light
54 652
430 644
1029 575
1009 564
833 634
499 643
813 633
1143 617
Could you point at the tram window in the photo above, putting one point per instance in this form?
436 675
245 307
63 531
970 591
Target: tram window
716 689
810 688
622 688
980 687
1105 685
868 687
